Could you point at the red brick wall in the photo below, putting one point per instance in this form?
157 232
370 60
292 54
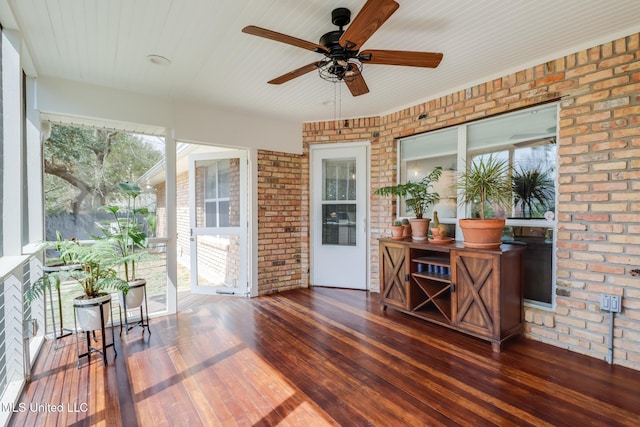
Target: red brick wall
354 130
599 167
282 224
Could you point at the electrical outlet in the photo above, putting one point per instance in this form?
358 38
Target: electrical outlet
611 303
615 303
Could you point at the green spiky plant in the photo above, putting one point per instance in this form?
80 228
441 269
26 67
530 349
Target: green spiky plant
486 181
417 195
532 190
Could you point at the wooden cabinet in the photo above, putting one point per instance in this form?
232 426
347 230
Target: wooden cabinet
475 291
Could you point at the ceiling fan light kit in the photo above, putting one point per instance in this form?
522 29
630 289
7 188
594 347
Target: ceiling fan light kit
343 60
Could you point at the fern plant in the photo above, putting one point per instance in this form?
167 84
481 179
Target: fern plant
95 272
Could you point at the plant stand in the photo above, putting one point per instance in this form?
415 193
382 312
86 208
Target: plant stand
99 305
143 322
62 332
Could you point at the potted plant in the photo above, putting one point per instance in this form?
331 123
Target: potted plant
128 235
397 229
486 181
407 227
95 275
439 230
418 197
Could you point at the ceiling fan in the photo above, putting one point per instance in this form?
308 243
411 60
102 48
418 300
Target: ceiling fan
342 59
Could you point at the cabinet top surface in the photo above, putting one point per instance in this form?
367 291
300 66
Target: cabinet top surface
425 244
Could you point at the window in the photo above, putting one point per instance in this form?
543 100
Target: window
216 194
534 176
527 140
419 156
82 169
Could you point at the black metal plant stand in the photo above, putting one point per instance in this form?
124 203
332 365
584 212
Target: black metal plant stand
62 332
105 346
144 314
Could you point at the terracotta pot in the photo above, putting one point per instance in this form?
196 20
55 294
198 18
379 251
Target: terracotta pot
419 228
435 232
397 231
482 233
407 230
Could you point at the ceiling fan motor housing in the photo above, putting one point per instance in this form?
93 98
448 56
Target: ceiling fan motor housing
340 16
331 41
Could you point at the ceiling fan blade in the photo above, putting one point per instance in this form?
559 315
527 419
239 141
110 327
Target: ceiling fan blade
283 38
295 73
373 14
355 82
400 57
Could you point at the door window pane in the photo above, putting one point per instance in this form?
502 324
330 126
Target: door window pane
223 178
220 193
211 182
339 179
224 214
339 224
211 213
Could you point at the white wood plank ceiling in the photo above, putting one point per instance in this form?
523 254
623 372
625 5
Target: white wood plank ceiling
106 42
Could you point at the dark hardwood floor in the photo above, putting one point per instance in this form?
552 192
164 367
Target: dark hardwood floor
322 357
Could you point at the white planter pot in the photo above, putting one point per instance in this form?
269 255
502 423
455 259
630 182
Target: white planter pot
135 296
88 311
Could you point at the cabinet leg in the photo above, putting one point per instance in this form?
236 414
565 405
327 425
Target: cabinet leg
496 347
384 307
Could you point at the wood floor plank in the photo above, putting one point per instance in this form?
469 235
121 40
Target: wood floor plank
320 357
459 414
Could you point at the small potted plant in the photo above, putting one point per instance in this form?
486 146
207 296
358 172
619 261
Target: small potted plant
397 229
418 197
439 230
407 227
486 181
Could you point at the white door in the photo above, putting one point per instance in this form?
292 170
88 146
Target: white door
339 215
218 222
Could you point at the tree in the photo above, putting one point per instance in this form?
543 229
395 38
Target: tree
84 166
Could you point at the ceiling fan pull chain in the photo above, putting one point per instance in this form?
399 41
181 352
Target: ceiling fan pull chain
340 106
335 103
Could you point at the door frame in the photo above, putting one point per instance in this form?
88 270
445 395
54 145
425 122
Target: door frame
313 148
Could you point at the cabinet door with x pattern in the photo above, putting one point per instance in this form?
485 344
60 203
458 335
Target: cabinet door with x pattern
394 275
475 300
